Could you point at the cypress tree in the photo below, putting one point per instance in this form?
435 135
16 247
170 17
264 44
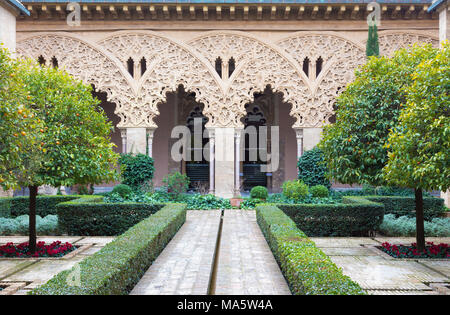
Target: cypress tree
372 48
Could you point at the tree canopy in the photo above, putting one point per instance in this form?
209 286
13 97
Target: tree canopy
354 147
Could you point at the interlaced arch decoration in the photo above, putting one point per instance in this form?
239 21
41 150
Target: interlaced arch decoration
339 58
258 64
169 65
85 62
390 41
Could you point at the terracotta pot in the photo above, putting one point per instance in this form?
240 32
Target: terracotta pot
236 202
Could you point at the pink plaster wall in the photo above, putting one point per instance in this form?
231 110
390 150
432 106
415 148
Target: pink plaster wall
288 135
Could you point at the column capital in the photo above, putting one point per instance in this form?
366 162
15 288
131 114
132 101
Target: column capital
299 133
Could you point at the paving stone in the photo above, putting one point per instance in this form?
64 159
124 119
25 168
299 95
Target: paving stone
440 266
401 292
184 266
91 250
375 272
10 266
43 270
246 265
13 239
348 251
96 240
342 241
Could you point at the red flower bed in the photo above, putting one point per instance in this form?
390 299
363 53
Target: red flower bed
404 251
55 249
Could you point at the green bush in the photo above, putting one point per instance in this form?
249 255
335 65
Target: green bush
311 169
355 216
122 190
19 226
137 170
117 267
295 189
406 226
259 192
319 191
205 202
306 268
91 216
405 206
176 183
45 205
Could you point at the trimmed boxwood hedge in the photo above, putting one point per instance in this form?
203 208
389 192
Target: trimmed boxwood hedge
91 216
355 216
405 206
306 268
117 267
45 205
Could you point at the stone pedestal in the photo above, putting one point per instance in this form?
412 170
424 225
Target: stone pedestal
224 162
446 197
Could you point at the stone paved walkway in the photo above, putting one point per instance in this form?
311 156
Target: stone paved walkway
246 265
184 266
382 274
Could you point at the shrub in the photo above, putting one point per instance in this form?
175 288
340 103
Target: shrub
122 190
206 202
19 226
137 169
319 191
355 216
117 267
306 268
403 205
45 205
406 226
176 183
259 192
91 216
295 189
311 169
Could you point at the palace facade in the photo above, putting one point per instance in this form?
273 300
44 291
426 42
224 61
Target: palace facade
232 65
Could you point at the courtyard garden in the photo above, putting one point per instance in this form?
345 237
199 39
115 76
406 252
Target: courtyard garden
391 140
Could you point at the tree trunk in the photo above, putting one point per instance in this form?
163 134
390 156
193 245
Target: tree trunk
32 222
420 231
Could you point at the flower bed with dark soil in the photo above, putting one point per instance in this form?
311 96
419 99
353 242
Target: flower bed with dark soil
440 251
55 249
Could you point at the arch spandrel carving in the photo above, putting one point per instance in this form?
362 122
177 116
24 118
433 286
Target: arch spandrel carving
86 62
170 64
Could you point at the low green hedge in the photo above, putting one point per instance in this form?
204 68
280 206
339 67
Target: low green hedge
406 205
355 216
45 205
91 216
117 267
306 268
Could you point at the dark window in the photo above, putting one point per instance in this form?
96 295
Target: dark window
143 66
231 66
130 64
54 62
306 66
219 66
41 60
319 64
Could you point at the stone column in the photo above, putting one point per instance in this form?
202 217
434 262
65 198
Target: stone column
150 133
237 162
123 134
299 135
136 140
224 162
446 197
211 159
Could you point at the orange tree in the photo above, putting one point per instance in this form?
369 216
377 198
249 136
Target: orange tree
74 139
18 124
354 147
419 147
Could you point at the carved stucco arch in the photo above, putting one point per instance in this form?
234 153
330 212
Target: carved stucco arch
169 64
85 61
390 41
258 64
